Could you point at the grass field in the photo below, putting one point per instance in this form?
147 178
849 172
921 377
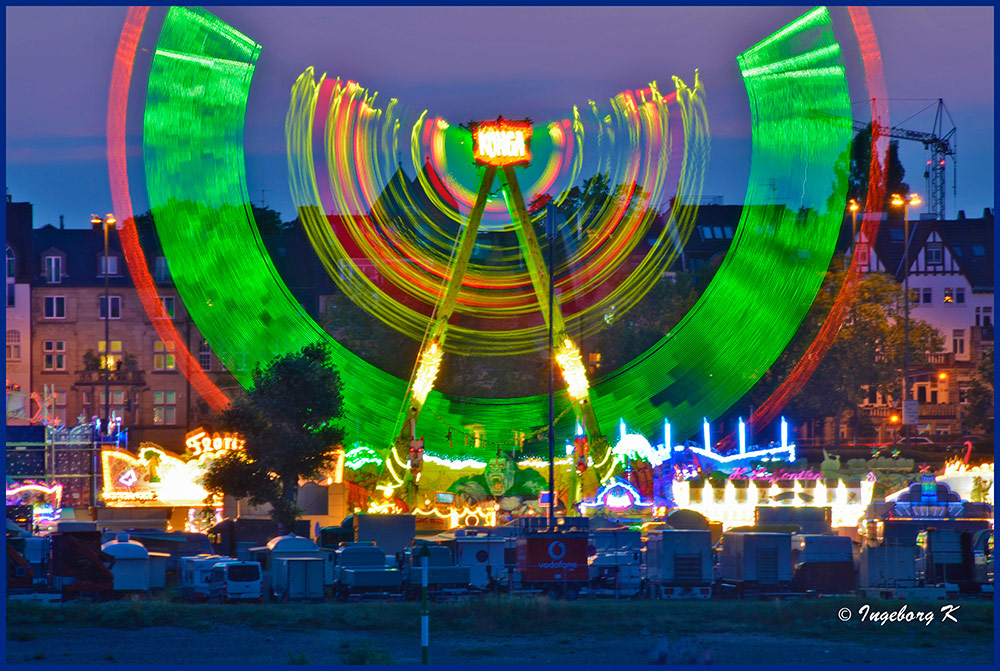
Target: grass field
493 630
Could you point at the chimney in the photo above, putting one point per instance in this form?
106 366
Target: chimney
62 224
987 213
961 215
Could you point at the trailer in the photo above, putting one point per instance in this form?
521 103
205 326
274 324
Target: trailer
444 579
554 563
679 564
362 573
79 566
194 582
946 556
614 563
484 555
887 566
823 564
297 579
755 562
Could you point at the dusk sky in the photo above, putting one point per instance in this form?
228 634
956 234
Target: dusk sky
463 63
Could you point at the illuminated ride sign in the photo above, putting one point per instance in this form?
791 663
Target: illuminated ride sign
201 445
501 142
153 477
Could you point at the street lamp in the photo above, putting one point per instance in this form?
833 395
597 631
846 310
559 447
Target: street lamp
108 220
854 207
913 201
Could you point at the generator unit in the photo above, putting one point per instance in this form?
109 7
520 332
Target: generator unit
679 564
753 562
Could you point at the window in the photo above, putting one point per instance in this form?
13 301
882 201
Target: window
959 294
60 408
116 307
978 250
108 265
53 269
729 232
13 345
241 361
161 271
55 307
164 407
987 316
168 306
112 358
163 355
863 252
11 268
55 355
717 230
117 407
933 254
928 295
706 232
949 295
205 355
958 341
896 234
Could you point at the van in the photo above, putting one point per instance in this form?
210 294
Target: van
235 581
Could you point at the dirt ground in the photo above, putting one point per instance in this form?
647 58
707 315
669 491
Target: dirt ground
228 644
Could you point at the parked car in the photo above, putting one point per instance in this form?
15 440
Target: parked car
916 440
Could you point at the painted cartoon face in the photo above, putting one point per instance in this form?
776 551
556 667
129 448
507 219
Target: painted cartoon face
499 475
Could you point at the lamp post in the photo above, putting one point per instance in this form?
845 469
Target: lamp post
854 223
108 220
898 201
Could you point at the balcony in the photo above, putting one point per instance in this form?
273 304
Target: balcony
121 377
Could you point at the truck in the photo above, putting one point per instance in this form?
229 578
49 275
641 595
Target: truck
755 562
361 573
392 533
554 563
823 563
679 564
235 581
444 579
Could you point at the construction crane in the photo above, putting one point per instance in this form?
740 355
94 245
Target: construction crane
941 144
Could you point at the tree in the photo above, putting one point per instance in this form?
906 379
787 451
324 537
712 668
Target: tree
288 421
861 152
867 353
979 413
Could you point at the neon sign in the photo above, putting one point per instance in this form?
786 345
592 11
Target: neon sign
201 445
502 142
764 474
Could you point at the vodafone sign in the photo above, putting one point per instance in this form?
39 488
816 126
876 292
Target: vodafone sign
502 142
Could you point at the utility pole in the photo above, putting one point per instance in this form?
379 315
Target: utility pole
550 220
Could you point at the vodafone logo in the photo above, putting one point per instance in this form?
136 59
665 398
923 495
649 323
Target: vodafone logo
557 550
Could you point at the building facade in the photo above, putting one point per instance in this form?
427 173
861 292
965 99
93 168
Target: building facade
18 314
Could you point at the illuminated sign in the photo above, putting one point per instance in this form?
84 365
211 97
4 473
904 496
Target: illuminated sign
154 476
502 142
764 474
203 446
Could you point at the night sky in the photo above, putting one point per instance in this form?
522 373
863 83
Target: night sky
464 63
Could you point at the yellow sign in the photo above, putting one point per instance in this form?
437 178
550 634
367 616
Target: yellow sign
204 446
502 142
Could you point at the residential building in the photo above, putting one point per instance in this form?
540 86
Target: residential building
18 315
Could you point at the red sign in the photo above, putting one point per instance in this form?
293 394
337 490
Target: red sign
545 557
502 142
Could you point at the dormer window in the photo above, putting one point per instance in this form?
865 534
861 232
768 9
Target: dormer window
53 269
108 265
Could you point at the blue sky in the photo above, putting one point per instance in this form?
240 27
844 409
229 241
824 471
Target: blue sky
463 63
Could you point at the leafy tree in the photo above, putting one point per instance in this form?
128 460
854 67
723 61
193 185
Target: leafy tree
867 352
288 421
861 152
979 413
